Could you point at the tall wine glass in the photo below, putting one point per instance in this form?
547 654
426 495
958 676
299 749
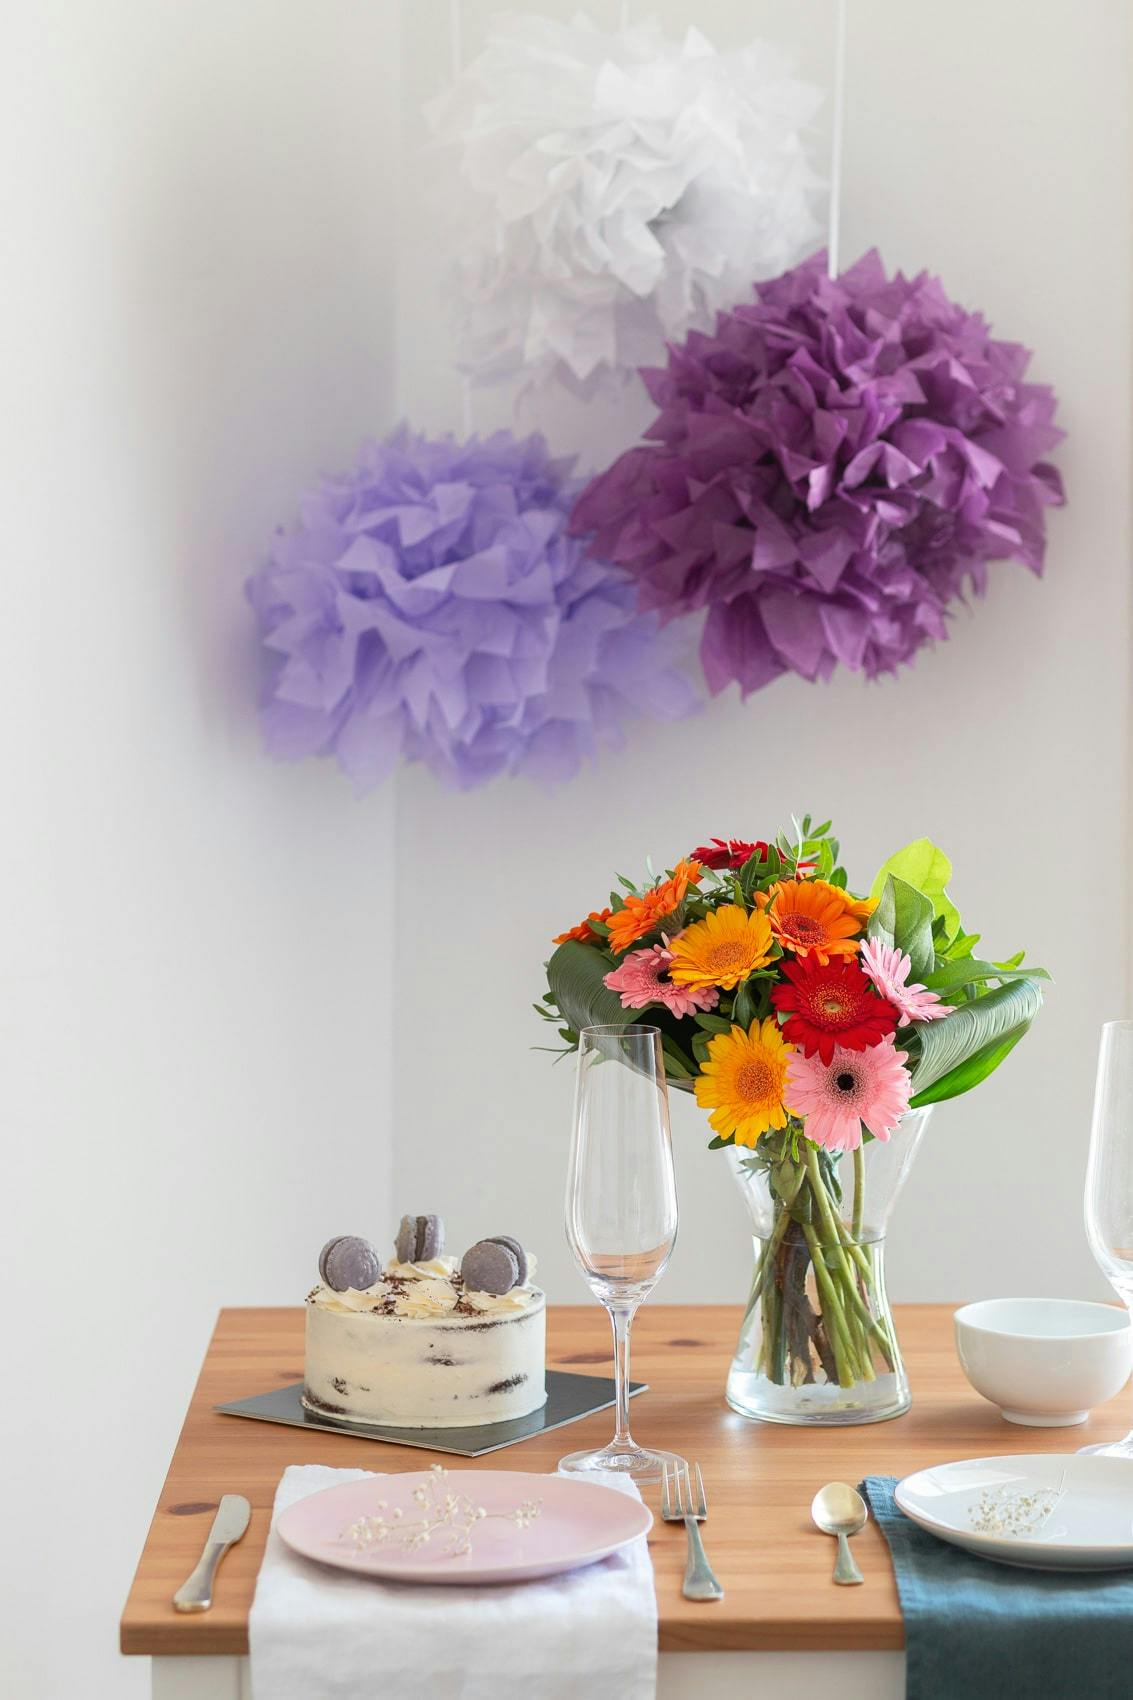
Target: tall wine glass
1109 1176
621 1204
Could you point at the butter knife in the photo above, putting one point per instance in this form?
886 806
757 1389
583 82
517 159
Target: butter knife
232 1518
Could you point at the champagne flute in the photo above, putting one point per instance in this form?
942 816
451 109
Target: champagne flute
621 1205
1109 1177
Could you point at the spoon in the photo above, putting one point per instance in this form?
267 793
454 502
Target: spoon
838 1509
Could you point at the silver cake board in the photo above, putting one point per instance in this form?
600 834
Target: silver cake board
569 1397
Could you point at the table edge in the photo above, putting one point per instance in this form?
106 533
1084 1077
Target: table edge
205 1635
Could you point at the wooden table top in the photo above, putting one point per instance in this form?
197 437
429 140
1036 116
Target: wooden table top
760 1477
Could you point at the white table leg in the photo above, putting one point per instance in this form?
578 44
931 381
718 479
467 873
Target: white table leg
780 1676
201 1679
680 1676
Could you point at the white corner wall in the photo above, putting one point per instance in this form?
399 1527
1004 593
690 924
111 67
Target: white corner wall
194 982
240 1010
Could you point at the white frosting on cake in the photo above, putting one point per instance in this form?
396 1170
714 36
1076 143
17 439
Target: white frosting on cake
440 1268
416 1350
425 1298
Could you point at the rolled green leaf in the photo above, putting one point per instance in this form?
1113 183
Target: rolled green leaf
979 1034
575 974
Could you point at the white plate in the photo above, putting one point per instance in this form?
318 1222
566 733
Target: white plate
1087 1501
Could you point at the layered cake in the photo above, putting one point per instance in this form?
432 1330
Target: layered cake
425 1341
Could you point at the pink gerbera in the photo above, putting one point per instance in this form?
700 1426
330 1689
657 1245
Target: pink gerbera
640 980
889 968
870 1087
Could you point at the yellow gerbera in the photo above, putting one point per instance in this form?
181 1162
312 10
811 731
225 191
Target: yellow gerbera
743 1080
723 949
812 916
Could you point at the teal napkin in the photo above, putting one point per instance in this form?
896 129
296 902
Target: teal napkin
981 1631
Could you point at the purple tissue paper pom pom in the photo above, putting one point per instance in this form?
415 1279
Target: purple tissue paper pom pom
432 604
827 473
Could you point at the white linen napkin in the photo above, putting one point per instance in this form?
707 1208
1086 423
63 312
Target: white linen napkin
322 1634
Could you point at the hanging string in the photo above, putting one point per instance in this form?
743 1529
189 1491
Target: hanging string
837 127
457 51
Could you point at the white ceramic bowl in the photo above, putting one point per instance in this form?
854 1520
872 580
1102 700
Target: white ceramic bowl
1045 1362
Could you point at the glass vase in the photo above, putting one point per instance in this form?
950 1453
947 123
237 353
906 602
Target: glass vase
817 1343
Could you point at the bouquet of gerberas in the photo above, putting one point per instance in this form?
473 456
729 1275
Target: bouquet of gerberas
809 1021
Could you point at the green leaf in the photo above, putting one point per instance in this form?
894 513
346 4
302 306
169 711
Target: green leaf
786 1179
968 1044
743 1009
966 1074
750 874
903 917
677 1065
712 1023
961 946
575 974
970 971
923 865
718 1144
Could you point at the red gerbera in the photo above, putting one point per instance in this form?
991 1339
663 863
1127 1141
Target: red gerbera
829 1006
729 852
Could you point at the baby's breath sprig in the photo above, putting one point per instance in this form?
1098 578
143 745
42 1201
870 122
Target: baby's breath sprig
449 1517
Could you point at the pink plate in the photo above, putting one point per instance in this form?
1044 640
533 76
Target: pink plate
463 1525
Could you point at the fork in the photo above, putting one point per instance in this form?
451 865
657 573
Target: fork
677 1506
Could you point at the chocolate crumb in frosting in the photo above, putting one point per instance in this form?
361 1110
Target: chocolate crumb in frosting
318 1404
507 1386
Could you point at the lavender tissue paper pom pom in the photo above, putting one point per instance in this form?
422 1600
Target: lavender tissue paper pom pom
827 473
431 604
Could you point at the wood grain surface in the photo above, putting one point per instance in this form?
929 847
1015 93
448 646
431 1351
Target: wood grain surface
760 1478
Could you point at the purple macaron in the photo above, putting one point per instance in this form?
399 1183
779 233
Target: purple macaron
349 1261
420 1239
490 1267
517 1251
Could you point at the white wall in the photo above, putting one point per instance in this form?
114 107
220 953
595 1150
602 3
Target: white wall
194 1014
975 151
204 279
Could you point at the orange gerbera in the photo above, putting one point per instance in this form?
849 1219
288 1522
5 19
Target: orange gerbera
584 932
640 915
723 949
811 916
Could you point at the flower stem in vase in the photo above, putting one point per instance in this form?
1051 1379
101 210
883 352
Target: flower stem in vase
832 1312
844 1249
859 1193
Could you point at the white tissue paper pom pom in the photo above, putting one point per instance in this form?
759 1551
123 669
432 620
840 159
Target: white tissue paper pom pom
617 189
